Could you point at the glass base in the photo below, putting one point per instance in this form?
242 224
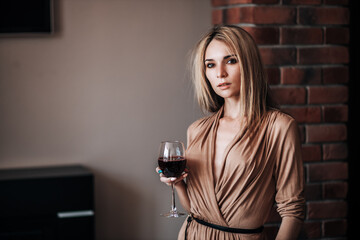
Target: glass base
173 214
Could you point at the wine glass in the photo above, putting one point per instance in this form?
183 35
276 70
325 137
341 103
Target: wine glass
172 163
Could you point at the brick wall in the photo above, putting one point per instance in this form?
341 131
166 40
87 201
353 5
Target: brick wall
304 45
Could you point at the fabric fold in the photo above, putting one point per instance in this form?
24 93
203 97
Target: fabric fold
262 161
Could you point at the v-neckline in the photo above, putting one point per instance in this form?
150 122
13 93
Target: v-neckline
212 185
216 181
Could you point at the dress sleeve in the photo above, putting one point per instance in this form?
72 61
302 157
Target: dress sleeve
289 173
193 130
190 133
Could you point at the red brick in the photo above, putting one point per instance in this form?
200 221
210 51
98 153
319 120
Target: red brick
335 75
318 210
217 3
335 228
261 15
335 151
311 230
338 113
236 15
326 133
302 2
275 15
273 75
313 191
293 75
217 16
289 95
278 56
264 35
338 35
337 2
323 15
311 153
304 114
328 171
328 94
335 190
321 55
301 36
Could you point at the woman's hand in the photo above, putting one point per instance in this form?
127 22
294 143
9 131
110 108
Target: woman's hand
171 180
181 188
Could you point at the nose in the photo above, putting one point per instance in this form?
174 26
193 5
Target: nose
221 72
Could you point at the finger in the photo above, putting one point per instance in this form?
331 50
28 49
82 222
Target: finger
182 177
158 170
184 174
166 180
174 180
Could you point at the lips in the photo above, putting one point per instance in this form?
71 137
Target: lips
223 85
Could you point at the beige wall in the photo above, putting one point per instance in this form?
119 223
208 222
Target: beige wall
103 91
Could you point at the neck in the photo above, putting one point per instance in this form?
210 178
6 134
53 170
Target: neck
232 108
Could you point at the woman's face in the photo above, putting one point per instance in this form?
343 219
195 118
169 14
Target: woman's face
222 69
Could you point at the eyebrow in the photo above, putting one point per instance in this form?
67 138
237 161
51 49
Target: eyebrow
226 57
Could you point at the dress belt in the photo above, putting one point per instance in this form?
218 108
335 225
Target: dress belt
222 228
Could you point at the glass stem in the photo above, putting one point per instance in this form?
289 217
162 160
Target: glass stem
173 207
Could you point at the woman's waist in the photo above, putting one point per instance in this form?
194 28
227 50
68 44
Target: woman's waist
253 222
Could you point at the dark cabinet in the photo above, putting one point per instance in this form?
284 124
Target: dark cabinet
49 203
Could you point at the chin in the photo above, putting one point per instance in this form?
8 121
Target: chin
229 95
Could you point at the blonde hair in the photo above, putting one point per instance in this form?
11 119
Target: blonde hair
254 97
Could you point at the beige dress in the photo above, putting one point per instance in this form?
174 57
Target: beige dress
262 165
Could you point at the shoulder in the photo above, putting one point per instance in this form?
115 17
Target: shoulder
278 118
280 123
283 134
198 127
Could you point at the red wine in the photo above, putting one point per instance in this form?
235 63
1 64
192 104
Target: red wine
172 167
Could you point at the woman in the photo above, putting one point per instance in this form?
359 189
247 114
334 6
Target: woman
244 155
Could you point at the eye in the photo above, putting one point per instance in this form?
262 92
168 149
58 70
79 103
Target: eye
232 61
210 65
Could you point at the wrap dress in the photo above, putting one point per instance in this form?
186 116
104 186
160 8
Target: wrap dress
262 165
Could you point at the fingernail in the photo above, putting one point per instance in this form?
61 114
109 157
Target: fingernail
172 179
